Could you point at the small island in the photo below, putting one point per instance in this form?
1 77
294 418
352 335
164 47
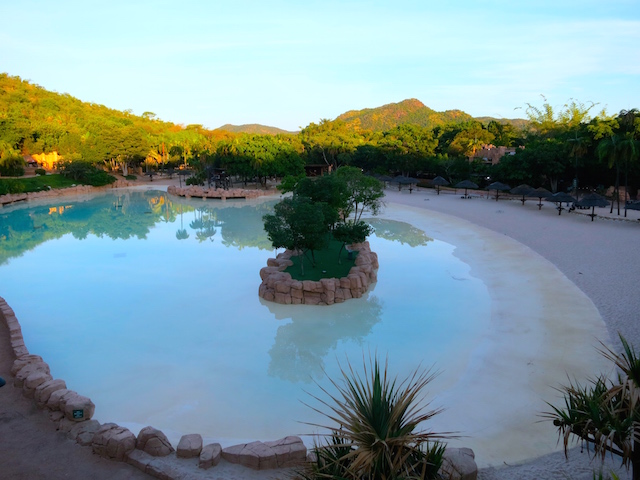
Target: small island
323 212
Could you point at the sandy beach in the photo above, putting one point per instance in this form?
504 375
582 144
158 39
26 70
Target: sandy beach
597 258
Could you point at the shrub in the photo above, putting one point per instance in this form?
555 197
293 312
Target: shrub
8 185
41 171
605 413
11 165
131 177
375 434
86 173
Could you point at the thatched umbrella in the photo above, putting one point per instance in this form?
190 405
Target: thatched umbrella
466 184
402 180
523 190
592 200
540 193
560 198
439 182
384 179
633 205
498 186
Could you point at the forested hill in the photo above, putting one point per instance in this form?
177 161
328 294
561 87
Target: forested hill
408 111
254 128
411 111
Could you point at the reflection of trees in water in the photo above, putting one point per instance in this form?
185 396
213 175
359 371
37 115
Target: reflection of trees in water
119 215
240 226
399 232
204 222
300 347
128 214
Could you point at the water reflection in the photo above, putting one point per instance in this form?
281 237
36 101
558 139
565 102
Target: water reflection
125 215
399 232
301 346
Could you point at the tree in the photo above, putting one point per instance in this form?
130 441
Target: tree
605 413
361 193
297 224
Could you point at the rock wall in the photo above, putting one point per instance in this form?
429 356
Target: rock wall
278 286
219 193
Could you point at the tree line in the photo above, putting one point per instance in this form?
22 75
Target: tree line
558 144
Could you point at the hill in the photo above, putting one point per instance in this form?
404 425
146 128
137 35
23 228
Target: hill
409 111
254 128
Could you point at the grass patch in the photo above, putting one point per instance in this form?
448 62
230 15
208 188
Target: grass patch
327 265
34 184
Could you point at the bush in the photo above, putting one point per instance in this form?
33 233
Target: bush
41 171
11 186
131 177
376 437
11 165
86 173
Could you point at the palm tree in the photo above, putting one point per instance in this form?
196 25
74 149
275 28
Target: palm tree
375 435
605 413
609 149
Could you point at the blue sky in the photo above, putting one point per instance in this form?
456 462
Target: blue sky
288 63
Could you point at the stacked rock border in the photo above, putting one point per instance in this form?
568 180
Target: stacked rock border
217 193
278 286
151 452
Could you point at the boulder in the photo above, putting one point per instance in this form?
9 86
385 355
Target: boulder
22 374
113 441
83 432
286 452
154 442
459 464
290 451
56 397
210 456
254 455
77 408
189 446
44 391
33 381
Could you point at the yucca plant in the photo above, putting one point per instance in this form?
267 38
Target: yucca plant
375 434
605 414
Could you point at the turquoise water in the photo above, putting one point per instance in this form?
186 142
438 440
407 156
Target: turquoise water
148 304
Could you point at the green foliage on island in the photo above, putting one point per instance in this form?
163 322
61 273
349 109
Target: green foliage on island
323 211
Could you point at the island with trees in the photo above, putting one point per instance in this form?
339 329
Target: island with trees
321 226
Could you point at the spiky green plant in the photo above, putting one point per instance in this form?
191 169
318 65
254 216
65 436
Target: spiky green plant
605 414
375 434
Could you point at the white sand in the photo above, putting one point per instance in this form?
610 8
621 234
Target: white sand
598 258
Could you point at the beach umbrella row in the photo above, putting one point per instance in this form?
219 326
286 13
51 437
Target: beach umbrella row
439 182
498 187
466 184
592 200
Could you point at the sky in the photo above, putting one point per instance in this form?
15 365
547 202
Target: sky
289 63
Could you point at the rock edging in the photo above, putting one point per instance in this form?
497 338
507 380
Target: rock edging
278 286
217 193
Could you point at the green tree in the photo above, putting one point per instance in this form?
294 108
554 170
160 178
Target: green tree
297 224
